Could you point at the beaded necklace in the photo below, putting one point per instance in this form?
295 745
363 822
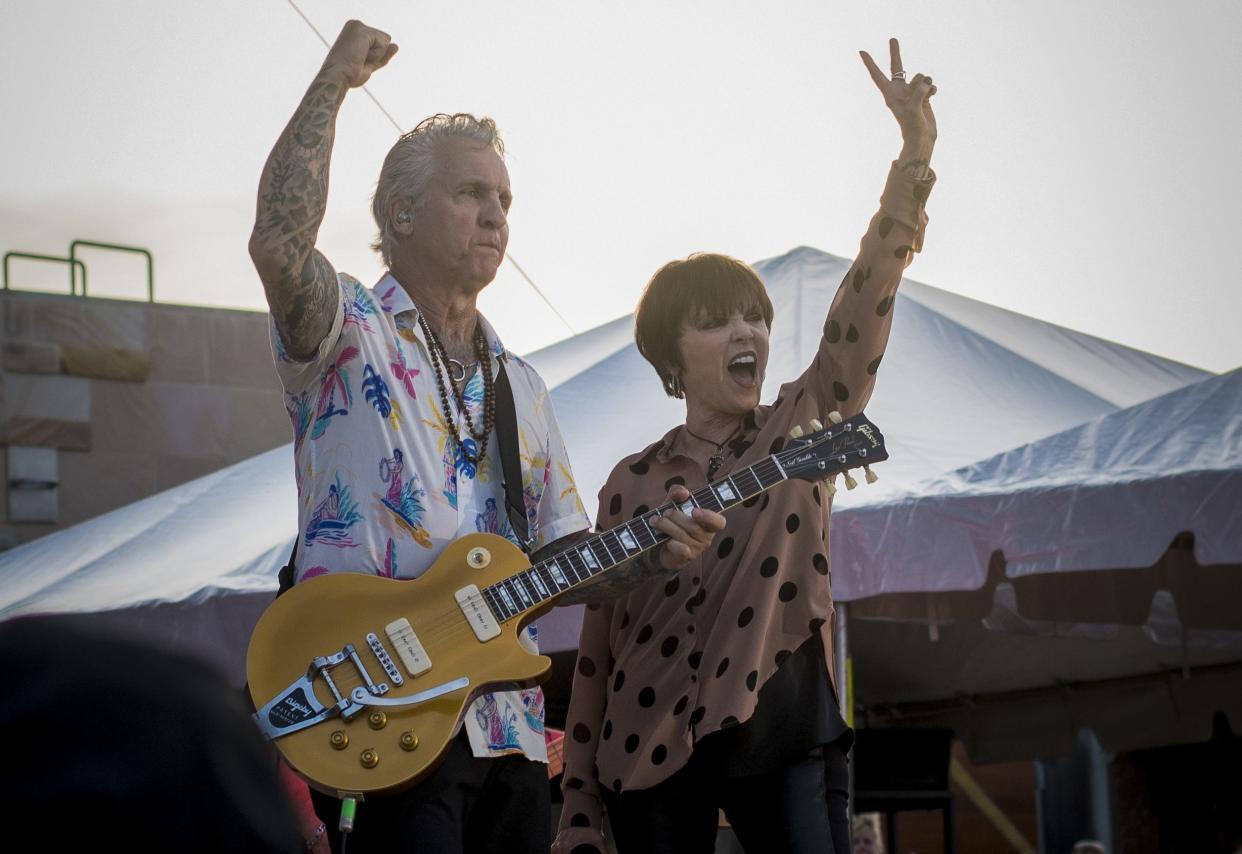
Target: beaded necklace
439 357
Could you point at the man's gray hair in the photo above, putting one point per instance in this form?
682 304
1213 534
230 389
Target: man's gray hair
411 163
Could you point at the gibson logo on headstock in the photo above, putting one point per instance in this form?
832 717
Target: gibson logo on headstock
865 429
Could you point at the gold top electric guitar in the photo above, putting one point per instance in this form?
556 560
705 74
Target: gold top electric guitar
361 681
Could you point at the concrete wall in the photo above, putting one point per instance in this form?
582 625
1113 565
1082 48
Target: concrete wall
104 402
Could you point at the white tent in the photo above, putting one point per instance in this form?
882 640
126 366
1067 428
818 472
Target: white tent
194 566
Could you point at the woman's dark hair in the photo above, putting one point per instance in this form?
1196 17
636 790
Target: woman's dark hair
680 291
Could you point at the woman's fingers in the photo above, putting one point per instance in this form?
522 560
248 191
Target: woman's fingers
881 80
894 59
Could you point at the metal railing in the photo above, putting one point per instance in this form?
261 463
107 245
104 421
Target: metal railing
76 264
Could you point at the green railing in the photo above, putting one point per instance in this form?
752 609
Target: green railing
73 253
74 264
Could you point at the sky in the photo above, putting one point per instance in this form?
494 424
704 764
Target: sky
1086 153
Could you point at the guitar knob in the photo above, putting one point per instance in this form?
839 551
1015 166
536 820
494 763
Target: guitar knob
850 483
478 557
834 417
409 741
339 739
872 477
795 432
369 758
816 425
377 720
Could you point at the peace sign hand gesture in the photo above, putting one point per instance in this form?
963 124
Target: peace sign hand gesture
909 100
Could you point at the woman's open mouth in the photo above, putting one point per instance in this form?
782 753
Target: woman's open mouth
743 368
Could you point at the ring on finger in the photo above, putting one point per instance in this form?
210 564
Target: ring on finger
899 75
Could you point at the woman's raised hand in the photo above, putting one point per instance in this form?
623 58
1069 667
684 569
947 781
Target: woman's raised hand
908 99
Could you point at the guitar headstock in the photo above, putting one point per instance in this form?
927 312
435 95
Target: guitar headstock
828 451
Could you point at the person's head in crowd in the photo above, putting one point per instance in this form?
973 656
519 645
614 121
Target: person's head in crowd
866 835
112 743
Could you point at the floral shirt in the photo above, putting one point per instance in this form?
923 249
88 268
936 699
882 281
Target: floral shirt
382 488
675 661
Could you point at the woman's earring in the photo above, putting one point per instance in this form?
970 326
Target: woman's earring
678 390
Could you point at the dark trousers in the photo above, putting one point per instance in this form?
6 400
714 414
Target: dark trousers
467 806
800 808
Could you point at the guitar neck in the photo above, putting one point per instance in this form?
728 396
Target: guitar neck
589 558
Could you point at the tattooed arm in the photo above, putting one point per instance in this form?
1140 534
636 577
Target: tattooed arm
300 283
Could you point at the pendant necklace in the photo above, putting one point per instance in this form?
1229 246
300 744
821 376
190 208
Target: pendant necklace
717 458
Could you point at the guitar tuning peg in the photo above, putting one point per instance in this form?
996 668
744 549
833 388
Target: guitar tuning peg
850 483
830 486
834 417
816 425
872 477
795 432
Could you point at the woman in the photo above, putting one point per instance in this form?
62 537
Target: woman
713 690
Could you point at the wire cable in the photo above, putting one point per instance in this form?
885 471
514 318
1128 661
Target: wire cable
388 116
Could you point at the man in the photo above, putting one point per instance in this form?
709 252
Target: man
392 394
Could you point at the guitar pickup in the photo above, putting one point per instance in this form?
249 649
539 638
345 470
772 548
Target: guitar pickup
409 649
478 615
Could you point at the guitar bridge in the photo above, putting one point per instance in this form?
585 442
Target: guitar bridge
297 707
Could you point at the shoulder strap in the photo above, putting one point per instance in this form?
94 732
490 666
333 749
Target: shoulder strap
510 461
288 572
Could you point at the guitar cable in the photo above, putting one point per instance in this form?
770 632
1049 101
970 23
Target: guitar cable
349 808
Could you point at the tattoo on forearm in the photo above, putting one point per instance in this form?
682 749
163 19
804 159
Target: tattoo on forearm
293 192
618 581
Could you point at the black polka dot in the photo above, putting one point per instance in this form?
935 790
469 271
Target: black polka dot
840 391
798 396
781 656
586 667
625 619
776 404
614 504
645 633
618 681
593 606
631 743
726 546
902 252
580 820
821 564
752 679
728 722
681 705
875 364
788 592
697 715
689 630
792 522
832 332
769 567
776 446
646 697
851 334
722 667
752 501
659 754
669 646
640 467
744 618
670 589
884 307
675 480
767 499
574 783
696 600
694 658
859 279
816 496
616 786
607 730
582 733
816 624
885 226
639 510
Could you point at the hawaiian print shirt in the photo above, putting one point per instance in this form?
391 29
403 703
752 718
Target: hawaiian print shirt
383 489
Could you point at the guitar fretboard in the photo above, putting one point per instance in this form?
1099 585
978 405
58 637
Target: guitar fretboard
588 558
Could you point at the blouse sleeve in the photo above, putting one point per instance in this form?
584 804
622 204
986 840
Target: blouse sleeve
856 330
588 699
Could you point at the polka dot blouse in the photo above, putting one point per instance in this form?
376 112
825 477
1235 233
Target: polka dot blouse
674 661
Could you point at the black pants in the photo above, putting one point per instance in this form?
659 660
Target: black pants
797 809
467 806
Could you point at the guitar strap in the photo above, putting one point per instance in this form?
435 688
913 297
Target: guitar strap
511 465
510 461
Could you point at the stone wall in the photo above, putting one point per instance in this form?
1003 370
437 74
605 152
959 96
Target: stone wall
104 402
